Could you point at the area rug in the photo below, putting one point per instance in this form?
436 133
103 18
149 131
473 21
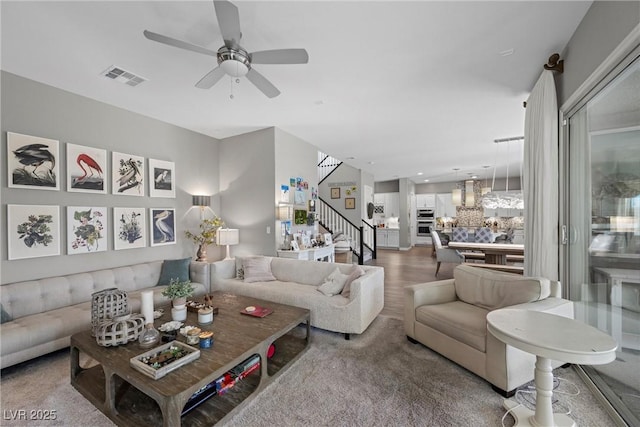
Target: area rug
377 378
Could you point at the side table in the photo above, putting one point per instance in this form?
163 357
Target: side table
549 337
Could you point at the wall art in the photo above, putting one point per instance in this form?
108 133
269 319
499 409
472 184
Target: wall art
129 228
300 217
299 197
33 231
127 174
162 178
32 162
86 168
284 193
350 203
86 229
162 226
335 193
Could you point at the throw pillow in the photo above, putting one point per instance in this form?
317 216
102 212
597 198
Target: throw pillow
356 271
240 273
333 283
257 269
5 316
174 269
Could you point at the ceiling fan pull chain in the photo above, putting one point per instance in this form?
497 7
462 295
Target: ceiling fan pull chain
231 87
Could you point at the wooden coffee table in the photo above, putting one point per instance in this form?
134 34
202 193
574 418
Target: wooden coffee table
129 397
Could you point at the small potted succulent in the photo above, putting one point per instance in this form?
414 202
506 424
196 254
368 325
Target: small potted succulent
178 291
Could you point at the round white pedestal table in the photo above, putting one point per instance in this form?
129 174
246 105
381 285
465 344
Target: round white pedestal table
548 337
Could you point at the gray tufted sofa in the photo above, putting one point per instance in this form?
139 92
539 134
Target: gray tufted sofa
296 284
39 316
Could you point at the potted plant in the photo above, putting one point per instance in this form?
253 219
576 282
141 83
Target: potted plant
178 291
206 236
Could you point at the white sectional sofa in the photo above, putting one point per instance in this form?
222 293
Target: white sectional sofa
296 284
450 317
39 316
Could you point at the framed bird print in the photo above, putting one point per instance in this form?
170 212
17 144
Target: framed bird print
129 228
162 226
33 231
128 174
162 179
32 162
86 229
86 169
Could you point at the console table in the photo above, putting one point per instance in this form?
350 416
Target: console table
549 337
313 254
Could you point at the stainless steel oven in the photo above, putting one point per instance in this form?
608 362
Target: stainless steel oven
425 214
424 227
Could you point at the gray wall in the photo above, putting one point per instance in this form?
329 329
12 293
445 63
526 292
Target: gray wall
252 168
392 186
345 174
604 26
247 179
36 109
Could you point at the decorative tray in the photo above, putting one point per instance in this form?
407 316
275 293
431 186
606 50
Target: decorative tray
159 361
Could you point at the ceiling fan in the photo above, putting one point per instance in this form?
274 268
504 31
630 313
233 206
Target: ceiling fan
233 59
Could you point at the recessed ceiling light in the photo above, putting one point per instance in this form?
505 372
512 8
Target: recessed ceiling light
351 158
507 52
474 176
426 180
372 163
419 173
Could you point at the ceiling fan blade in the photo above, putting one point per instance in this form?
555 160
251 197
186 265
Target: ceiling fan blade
229 22
178 43
280 56
211 78
262 83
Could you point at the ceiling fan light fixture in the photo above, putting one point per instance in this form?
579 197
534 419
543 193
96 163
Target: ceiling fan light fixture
234 68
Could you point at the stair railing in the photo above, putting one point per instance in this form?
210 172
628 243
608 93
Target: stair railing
361 238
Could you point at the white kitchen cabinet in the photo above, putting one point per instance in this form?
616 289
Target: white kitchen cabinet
390 202
388 238
425 200
444 205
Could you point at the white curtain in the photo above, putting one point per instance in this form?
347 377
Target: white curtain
540 180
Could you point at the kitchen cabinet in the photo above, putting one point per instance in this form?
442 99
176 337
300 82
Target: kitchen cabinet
425 201
444 205
388 237
390 203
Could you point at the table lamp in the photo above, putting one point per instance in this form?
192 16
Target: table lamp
228 236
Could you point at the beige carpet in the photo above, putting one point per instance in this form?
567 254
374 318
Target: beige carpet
376 379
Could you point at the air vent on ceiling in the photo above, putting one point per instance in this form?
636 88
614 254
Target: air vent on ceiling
123 76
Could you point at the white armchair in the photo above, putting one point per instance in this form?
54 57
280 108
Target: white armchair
443 253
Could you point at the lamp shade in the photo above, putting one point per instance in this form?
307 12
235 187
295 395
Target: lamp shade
201 200
456 197
228 236
285 212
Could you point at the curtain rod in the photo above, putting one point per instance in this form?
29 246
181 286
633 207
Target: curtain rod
553 64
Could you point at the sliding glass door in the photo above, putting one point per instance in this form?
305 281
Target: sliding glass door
601 204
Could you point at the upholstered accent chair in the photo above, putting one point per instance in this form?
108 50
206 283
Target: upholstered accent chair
443 253
459 234
484 235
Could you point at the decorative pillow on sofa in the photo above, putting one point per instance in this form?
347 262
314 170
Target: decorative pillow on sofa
333 283
4 316
257 269
174 269
356 271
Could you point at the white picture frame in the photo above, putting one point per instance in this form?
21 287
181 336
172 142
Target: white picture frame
294 245
162 179
328 239
87 229
33 162
33 231
129 228
86 169
127 177
162 226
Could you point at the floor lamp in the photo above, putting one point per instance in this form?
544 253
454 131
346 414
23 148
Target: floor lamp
228 236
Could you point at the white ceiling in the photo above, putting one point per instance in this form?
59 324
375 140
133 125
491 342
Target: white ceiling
402 87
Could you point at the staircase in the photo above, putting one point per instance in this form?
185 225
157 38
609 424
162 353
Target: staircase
362 238
326 165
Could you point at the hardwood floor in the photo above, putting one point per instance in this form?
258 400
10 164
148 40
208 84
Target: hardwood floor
403 268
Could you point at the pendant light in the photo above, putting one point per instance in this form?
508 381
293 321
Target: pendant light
456 193
485 189
507 200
